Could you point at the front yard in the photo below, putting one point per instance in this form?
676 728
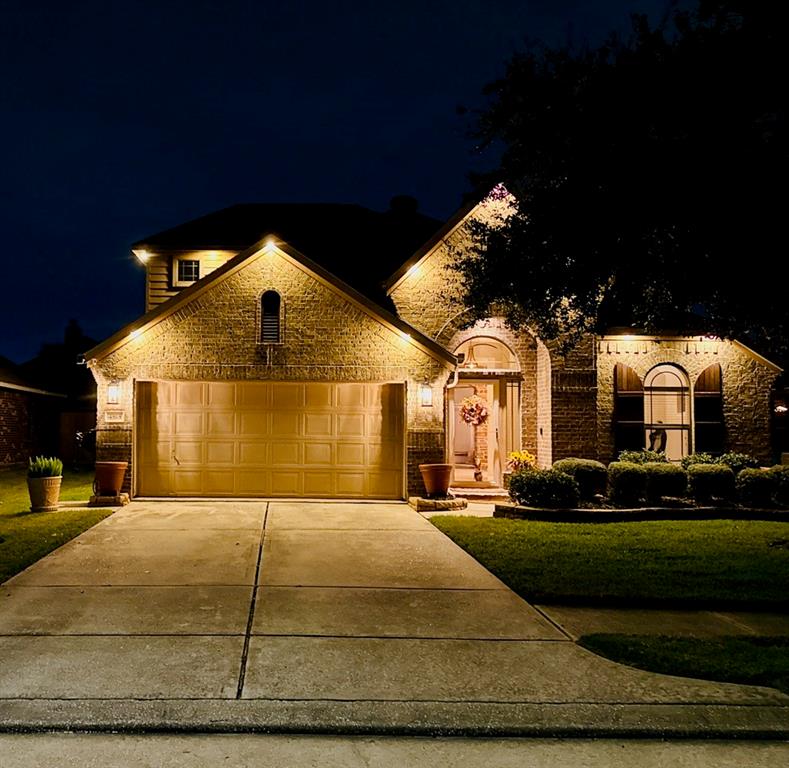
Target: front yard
26 536
685 563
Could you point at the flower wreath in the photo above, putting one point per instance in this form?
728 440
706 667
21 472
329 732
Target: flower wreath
473 410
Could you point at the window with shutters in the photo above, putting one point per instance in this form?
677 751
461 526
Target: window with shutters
667 411
270 318
708 410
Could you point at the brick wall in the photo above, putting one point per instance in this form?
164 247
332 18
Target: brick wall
747 382
325 338
16 438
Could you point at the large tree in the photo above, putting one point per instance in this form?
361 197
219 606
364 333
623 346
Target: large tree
650 175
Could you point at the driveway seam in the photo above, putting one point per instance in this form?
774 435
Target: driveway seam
250 620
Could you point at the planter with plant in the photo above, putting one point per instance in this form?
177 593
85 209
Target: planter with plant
44 475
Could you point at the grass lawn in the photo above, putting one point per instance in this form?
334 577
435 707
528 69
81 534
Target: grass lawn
26 536
750 660
685 563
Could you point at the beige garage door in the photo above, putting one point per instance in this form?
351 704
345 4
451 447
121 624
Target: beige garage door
270 439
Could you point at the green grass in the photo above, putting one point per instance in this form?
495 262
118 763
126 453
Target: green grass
749 660
687 563
27 536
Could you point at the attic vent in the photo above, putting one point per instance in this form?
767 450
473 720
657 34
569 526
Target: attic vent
270 305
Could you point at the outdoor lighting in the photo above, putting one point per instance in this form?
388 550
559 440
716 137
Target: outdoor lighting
405 336
113 394
142 256
412 270
781 409
135 333
425 396
627 337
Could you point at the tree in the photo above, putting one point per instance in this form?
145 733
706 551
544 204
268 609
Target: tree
650 175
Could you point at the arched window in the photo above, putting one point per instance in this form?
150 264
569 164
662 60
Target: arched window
667 411
708 410
628 409
486 353
270 325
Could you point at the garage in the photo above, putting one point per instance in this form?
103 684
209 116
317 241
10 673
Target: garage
264 438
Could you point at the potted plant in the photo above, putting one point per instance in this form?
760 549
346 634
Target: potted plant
44 475
516 462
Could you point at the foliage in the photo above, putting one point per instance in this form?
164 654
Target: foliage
27 536
697 458
519 460
690 563
473 410
45 466
641 457
639 168
780 474
590 475
746 660
627 482
544 488
665 480
738 461
710 481
756 487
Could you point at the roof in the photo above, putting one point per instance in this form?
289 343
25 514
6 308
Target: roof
360 246
362 301
11 377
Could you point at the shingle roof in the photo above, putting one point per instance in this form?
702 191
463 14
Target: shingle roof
358 245
12 377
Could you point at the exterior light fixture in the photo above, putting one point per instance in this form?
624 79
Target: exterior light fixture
405 336
135 333
781 409
628 337
114 394
142 256
425 396
412 270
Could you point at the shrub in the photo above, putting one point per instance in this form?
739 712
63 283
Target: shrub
627 482
665 480
755 487
780 475
590 475
641 457
697 458
544 488
708 481
45 466
738 461
517 461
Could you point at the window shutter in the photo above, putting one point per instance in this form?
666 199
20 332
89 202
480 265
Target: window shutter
628 409
708 410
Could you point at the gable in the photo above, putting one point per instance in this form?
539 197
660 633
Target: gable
216 321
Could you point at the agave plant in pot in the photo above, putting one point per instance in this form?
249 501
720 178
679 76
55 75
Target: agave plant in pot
44 475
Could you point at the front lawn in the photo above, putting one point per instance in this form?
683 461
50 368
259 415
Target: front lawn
26 536
687 563
748 660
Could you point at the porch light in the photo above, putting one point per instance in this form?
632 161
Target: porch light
405 336
113 394
135 333
142 256
425 396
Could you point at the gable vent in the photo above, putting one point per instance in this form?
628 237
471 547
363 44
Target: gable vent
270 306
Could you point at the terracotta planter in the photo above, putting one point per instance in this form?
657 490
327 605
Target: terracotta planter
436 478
44 493
109 477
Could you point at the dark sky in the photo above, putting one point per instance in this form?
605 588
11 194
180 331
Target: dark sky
120 119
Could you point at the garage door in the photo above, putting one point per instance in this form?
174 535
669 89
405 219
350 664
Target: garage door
270 439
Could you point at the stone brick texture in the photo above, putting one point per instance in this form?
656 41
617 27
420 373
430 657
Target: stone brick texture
325 337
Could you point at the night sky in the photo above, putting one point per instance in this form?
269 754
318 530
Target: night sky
120 119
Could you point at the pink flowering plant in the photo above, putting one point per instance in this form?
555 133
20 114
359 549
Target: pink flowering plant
473 410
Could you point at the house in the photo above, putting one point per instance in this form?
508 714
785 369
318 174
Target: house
28 416
319 351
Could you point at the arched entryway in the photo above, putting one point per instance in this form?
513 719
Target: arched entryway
483 412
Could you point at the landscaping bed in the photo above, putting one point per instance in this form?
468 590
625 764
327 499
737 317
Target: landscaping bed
686 563
27 536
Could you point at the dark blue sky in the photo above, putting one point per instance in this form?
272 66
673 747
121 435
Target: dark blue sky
120 119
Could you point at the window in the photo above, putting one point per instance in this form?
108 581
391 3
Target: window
270 326
628 409
708 410
667 411
187 271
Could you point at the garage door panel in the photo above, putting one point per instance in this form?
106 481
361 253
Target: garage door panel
316 439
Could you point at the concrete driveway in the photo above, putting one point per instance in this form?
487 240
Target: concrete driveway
284 613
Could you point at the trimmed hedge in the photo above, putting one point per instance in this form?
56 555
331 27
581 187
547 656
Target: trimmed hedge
780 474
697 458
710 481
627 482
641 457
590 475
665 480
544 488
756 487
738 461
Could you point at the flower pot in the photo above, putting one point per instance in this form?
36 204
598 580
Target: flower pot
109 477
436 478
44 493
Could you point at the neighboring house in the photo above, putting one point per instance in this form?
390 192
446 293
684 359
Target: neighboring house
28 416
271 363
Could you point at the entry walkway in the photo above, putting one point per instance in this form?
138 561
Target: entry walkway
315 616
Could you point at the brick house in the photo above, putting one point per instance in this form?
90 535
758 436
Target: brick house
271 362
